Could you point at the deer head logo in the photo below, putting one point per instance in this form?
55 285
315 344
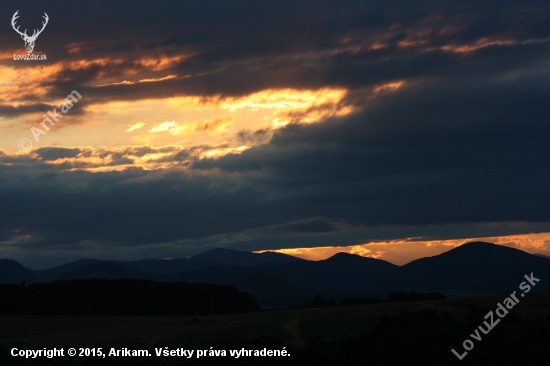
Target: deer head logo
29 41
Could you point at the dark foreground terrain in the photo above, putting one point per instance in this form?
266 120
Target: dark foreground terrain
123 297
410 333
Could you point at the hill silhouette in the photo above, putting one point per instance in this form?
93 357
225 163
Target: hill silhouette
164 266
214 257
276 279
239 258
475 266
104 270
13 272
52 273
339 273
268 289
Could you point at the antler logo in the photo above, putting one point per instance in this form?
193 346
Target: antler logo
29 41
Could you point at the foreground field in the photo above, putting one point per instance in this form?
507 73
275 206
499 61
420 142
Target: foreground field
305 332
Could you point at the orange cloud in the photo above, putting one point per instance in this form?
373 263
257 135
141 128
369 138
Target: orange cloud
402 251
487 42
136 126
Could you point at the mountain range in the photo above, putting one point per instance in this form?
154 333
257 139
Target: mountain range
276 279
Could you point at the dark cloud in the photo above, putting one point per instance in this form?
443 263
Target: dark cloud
242 47
254 137
13 111
317 226
54 153
462 144
430 153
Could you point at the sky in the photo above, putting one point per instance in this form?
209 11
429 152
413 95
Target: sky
392 129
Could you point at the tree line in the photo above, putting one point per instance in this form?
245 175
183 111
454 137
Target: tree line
123 297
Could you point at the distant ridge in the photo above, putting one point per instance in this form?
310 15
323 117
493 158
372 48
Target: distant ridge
476 266
472 269
349 257
13 272
52 273
239 258
343 272
163 266
104 270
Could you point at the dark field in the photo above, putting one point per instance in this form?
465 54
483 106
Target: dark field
423 331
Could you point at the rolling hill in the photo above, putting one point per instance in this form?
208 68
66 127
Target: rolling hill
282 280
476 266
13 272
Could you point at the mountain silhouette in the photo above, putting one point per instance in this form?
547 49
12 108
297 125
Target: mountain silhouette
239 258
13 272
267 288
52 273
163 266
341 272
474 268
105 270
214 257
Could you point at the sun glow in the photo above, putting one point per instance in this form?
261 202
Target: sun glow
402 251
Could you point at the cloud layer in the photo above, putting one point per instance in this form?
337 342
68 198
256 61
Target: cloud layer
267 125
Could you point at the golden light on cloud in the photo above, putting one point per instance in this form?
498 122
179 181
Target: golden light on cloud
74 48
16 85
407 43
214 125
28 81
186 120
164 62
389 86
377 46
135 126
206 127
149 80
145 157
165 126
406 250
82 160
210 126
191 121
284 99
488 42
482 43
214 153
363 252
117 159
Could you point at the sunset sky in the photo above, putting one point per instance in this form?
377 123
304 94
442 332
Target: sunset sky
391 129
